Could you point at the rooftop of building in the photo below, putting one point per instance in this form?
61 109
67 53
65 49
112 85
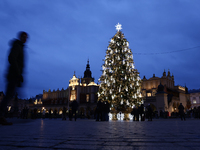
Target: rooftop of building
194 91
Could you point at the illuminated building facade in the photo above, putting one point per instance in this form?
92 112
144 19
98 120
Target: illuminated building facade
195 98
83 90
51 100
162 94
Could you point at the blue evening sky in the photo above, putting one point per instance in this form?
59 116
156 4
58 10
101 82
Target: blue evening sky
64 34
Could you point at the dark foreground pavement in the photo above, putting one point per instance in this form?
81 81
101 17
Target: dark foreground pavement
43 134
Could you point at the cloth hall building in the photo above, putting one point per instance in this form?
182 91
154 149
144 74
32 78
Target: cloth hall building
83 90
161 93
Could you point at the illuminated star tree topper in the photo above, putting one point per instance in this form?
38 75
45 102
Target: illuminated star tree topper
118 27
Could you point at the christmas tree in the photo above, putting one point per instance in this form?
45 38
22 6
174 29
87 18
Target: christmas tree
120 83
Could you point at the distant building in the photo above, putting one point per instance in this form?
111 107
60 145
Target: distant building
83 90
162 94
194 97
51 100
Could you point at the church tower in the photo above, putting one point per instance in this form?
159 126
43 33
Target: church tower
87 75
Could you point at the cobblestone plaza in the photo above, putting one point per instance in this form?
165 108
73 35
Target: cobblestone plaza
86 134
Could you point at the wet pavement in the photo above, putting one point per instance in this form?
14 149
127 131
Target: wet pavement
44 134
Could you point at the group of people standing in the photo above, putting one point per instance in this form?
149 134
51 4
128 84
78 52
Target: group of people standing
102 110
53 114
140 112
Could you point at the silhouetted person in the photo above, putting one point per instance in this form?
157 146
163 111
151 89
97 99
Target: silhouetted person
107 110
141 112
137 114
181 111
149 112
25 113
35 113
99 111
198 112
50 115
64 113
55 113
14 76
133 112
74 106
70 114
43 114
161 113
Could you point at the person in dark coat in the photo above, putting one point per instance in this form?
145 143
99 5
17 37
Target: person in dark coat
137 114
149 112
99 111
14 75
64 113
134 113
107 110
181 111
74 106
35 113
141 111
55 114
50 115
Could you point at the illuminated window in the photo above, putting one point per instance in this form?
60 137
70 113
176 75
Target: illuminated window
87 98
73 95
148 94
35 102
40 101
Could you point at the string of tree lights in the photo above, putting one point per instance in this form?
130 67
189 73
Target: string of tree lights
120 84
156 53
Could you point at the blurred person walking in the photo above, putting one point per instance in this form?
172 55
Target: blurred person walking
14 75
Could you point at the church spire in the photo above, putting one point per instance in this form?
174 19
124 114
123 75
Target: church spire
87 74
88 66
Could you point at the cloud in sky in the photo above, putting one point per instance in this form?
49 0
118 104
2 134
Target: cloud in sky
63 35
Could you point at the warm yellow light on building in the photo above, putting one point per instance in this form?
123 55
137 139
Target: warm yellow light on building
181 88
74 81
9 108
148 94
60 112
35 102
